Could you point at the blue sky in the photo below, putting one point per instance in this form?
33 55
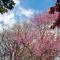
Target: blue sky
23 10
32 6
41 5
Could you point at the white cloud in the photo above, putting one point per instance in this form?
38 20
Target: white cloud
17 1
7 19
26 12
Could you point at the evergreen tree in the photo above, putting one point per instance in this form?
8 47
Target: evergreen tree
6 5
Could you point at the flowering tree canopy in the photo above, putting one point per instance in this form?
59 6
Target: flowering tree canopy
44 18
41 42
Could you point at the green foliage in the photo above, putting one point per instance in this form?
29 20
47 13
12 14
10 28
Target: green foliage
6 5
2 10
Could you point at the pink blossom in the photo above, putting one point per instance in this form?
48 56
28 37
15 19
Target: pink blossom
44 18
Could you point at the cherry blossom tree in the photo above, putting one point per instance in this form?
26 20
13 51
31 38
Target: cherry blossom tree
44 18
42 43
21 35
31 42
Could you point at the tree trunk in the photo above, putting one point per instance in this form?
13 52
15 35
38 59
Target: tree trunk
10 56
47 58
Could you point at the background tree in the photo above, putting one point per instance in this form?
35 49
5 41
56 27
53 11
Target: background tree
54 9
6 5
5 46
